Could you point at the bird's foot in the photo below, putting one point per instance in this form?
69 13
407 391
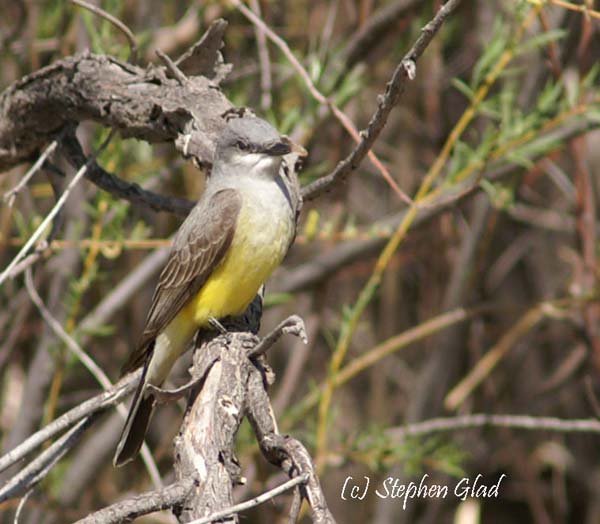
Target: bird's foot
217 326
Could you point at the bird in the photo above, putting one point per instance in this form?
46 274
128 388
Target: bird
233 239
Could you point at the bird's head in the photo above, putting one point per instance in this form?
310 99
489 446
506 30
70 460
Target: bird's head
250 144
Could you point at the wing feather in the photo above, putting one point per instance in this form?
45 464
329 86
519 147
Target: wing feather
198 247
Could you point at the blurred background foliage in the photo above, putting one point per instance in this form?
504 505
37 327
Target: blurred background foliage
497 136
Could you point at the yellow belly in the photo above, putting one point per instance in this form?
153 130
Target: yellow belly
247 265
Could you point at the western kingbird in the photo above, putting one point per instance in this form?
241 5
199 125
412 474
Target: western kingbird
232 240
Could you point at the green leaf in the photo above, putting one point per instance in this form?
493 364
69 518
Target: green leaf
593 116
104 330
491 54
463 88
541 40
500 195
276 299
537 147
517 157
590 80
549 98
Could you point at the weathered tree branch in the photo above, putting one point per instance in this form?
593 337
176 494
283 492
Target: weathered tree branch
132 192
284 451
232 378
142 104
126 510
234 386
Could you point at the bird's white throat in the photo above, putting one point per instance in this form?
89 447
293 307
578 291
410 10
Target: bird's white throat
258 163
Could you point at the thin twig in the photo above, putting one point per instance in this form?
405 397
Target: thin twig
584 9
116 22
242 506
263 59
9 196
322 99
491 359
393 92
59 331
21 505
126 510
164 396
42 227
295 507
90 365
293 325
132 192
443 424
175 71
394 89
98 403
38 468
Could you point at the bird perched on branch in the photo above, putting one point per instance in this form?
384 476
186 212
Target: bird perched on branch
227 247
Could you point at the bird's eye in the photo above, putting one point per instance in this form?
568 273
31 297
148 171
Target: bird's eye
241 145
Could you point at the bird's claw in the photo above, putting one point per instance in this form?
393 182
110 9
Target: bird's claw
217 326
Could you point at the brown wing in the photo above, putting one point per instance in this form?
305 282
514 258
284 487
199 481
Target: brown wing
198 247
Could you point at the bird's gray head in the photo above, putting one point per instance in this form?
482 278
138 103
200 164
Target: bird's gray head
252 145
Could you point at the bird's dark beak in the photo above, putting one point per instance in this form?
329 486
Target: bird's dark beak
279 148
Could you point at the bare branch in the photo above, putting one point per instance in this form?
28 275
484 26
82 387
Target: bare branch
293 325
133 47
126 510
264 61
444 424
59 331
38 468
50 216
133 193
395 88
9 196
143 104
253 502
21 505
317 95
95 404
172 68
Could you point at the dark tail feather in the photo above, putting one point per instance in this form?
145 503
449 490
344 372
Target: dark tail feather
134 431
